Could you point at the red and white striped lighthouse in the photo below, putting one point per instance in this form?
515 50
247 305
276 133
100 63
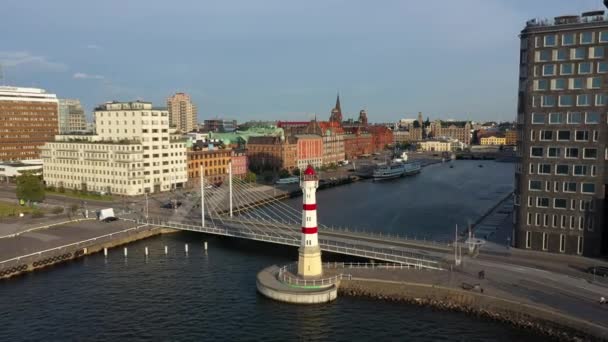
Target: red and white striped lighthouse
309 262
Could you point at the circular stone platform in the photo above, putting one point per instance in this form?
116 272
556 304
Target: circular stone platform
269 285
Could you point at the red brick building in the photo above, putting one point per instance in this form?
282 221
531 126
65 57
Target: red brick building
357 144
309 151
381 137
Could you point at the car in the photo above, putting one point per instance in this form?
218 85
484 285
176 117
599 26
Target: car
171 205
598 271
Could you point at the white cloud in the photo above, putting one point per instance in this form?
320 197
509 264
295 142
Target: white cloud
93 47
85 76
30 61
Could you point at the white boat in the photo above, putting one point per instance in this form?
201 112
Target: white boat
289 180
395 169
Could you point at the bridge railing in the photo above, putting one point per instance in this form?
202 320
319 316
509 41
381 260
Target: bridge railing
286 276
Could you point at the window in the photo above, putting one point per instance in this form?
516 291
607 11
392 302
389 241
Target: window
544 169
577 83
551 40
548 101
603 36
579 53
596 83
586 37
561 169
579 245
560 203
602 67
566 100
590 153
598 52
601 99
575 118
588 188
596 135
557 118
528 239
554 223
532 135
592 118
563 223
536 151
581 136
567 69
546 135
535 185
558 83
580 170
544 55
537 221
538 118
563 135
542 84
571 152
532 168
549 69
545 242
568 39
569 186
561 55
542 202
562 243
583 100
584 68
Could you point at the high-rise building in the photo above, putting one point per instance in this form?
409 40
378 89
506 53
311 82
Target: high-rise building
562 174
220 125
182 112
28 119
134 151
71 116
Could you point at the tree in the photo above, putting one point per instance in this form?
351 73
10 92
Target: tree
283 173
250 177
30 188
295 172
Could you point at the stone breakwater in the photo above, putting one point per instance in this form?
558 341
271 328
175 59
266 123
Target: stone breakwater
521 315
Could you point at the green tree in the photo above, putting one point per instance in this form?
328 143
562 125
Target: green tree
250 177
283 173
30 188
295 172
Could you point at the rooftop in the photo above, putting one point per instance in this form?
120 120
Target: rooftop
592 17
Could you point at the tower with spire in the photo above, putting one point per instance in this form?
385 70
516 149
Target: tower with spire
336 113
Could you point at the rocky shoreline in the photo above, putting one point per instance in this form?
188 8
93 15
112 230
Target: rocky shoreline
453 300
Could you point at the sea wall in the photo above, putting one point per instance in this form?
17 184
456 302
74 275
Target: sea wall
523 315
47 259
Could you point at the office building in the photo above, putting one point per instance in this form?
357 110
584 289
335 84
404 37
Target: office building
560 180
28 119
494 140
182 112
71 116
220 125
133 151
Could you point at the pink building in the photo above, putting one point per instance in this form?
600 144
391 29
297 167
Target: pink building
239 164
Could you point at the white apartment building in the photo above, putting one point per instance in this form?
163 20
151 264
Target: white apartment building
133 151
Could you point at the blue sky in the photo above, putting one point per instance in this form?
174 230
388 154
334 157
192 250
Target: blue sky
278 59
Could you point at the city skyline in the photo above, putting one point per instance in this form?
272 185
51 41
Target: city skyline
280 61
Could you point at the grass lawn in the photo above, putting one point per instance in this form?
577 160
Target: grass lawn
10 209
84 196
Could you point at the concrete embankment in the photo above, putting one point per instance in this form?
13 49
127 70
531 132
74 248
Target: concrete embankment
46 258
523 315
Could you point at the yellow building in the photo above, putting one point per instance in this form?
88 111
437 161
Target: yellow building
493 140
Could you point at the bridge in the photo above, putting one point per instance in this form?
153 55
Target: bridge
251 211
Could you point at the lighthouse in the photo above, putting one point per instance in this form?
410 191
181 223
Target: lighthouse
309 261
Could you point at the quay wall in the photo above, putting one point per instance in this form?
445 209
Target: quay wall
59 255
523 315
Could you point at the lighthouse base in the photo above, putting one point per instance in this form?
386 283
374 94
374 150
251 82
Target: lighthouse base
309 262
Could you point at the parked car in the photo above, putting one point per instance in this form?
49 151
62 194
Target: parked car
600 271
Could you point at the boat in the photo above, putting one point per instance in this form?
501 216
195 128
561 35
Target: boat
395 169
289 180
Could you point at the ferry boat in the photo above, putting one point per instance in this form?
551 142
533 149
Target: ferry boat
395 169
289 180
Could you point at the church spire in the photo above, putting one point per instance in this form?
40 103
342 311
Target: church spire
338 103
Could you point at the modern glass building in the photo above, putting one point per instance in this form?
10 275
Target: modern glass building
561 176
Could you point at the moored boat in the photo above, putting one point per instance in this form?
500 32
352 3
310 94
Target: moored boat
395 170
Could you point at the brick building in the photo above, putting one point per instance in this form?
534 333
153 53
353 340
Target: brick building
272 153
309 150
